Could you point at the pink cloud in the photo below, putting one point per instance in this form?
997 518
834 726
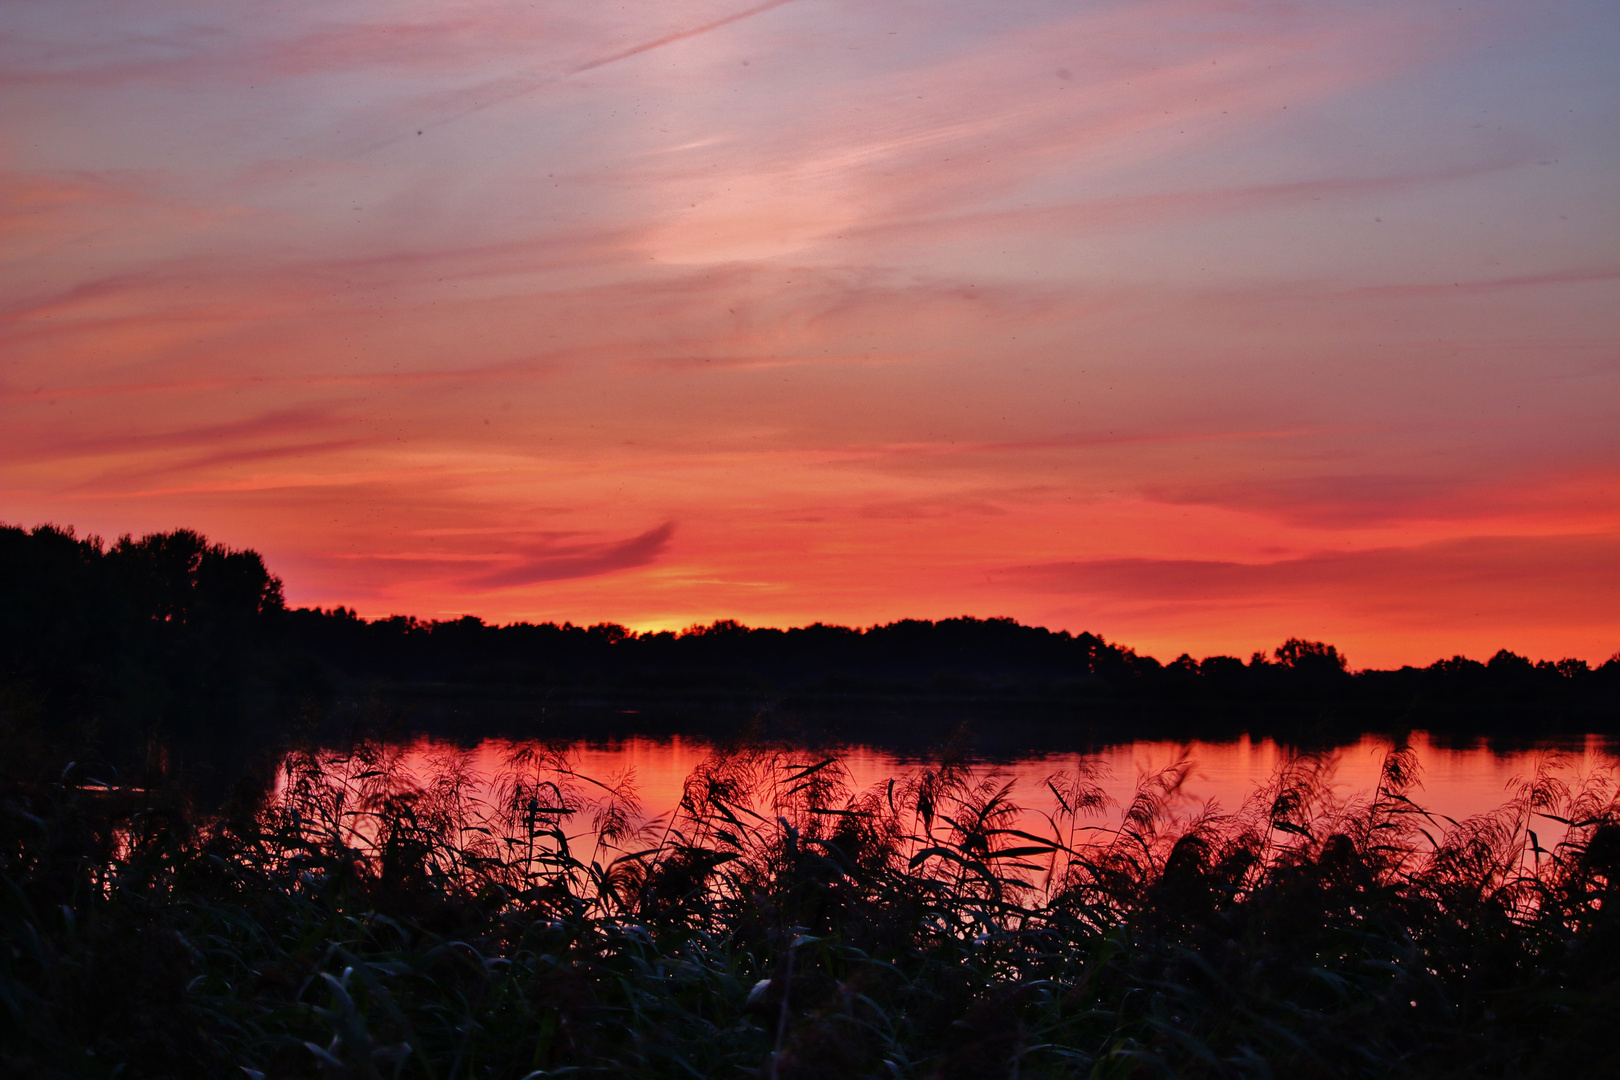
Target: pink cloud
1512 580
1331 500
1158 208
558 562
266 425
911 293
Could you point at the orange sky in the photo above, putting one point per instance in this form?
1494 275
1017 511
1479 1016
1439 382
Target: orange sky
1194 324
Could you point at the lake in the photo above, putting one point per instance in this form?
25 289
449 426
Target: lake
1457 778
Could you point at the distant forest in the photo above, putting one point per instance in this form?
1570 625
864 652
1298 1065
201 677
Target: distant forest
171 631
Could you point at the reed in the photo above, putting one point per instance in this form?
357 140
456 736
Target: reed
356 920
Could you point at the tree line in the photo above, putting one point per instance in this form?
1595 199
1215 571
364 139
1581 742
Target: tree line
172 631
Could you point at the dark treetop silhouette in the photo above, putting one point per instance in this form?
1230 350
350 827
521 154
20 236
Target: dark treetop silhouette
171 632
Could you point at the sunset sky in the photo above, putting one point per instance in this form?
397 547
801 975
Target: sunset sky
1193 323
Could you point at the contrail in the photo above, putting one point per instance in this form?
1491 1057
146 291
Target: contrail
681 35
488 96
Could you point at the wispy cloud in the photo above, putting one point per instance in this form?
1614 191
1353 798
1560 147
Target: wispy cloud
561 561
1535 579
26 445
868 297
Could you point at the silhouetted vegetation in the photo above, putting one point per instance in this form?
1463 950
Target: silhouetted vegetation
106 647
965 658
334 915
108 651
357 921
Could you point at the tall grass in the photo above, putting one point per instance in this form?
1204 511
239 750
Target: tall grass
357 920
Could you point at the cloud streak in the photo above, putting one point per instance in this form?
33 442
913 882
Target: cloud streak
1545 579
562 562
441 306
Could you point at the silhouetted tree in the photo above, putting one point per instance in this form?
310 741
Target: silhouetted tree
1310 657
102 648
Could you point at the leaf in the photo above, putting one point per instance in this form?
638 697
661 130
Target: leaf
323 1056
1020 852
807 770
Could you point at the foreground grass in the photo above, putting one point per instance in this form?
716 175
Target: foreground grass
354 921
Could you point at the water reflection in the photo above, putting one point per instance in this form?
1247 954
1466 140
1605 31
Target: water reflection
1457 779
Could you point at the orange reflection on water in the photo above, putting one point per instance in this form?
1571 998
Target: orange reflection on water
1455 780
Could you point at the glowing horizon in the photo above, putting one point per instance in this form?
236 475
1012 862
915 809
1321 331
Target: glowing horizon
1195 324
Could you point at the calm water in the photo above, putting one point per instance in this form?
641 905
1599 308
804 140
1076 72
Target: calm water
1457 781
